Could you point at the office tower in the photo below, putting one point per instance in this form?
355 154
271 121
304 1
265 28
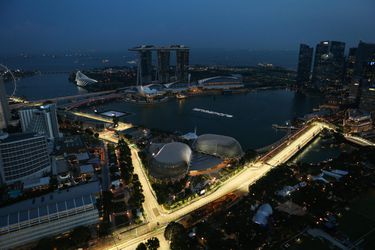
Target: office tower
42 120
365 72
304 64
182 62
367 101
350 64
23 156
365 53
328 64
4 107
163 65
369 70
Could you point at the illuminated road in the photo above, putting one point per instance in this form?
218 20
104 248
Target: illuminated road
359 140
158 218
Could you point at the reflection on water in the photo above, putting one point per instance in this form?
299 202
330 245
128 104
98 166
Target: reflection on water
323 148
44 86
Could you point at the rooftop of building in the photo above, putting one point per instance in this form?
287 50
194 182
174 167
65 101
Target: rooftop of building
53 202
71 144
174 152
19 137
358 114
203 162
41 108
261 216
154 48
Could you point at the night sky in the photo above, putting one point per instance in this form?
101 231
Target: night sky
109 25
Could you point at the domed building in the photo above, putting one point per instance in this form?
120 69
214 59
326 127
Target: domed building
171 162
218 145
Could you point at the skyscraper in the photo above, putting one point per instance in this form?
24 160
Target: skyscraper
369 71
350 64
163 65
182 62
146 66
42 120
328 64
304 64
365 53
4 107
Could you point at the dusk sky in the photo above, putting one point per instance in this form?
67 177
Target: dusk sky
45 25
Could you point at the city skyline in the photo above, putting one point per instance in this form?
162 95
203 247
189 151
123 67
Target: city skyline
181 125
83 25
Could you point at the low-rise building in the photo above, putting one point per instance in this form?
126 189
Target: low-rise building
357 121
48 215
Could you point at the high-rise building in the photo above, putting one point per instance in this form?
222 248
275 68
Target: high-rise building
145 68
369 70
23 156
365 54
365 72
163 65
367 100
350 64
4 107
329 64
304 64
182 62
42 120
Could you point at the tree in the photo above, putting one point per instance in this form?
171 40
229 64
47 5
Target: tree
80 235
104 228
153 243
44 244
141 246
89 131
173 229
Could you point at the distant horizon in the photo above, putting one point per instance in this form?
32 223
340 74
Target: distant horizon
86 25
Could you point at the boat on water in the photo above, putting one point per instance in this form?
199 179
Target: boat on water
212 112
82 80
181 96
276 126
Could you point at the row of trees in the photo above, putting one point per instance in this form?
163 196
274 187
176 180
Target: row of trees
79 237
151 244
128 176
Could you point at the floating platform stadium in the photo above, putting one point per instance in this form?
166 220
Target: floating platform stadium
173 161
112 113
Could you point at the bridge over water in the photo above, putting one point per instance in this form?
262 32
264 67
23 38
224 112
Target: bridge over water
61 98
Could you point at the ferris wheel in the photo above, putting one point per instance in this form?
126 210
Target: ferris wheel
6 70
